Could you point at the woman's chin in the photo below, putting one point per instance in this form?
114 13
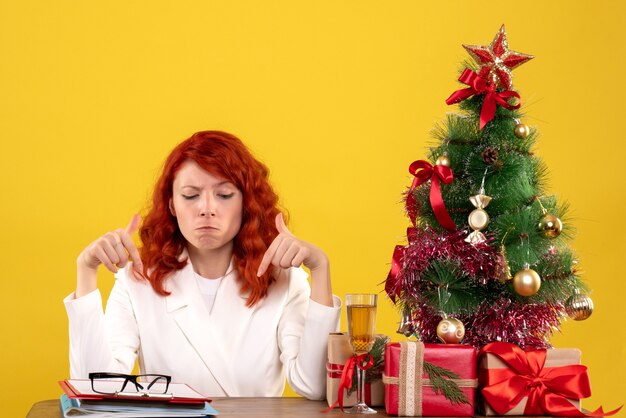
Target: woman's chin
208 244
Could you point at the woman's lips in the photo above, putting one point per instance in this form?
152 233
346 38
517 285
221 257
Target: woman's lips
206 228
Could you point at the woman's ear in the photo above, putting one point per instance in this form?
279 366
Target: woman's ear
171 205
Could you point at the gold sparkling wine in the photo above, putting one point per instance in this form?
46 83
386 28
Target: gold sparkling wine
361 330
361 327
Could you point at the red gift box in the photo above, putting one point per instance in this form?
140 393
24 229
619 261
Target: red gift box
408 390
533 382
494 370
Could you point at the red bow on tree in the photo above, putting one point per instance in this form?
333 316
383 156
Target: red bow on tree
393 283
478 85
423 171
548 389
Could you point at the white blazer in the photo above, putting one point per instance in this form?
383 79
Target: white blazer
231 351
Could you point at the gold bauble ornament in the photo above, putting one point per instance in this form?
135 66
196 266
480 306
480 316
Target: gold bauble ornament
521 131
526 282
579 307
450 331
443 160
550 225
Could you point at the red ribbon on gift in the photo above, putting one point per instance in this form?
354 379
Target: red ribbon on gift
478 85
363 362
423 171
547 389
335 371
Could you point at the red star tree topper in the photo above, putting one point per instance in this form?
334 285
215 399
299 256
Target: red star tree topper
496 60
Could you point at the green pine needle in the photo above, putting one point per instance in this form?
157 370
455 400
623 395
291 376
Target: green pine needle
440 379
448 288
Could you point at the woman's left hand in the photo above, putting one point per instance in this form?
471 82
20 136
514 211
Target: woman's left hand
288 251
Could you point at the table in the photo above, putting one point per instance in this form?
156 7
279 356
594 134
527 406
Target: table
234 407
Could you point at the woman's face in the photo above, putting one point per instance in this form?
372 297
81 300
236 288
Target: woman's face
208 208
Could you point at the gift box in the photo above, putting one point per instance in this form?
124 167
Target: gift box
414 375
534 382
339 352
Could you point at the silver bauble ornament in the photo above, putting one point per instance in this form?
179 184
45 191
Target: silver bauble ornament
406 326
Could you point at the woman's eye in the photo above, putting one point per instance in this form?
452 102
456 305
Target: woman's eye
189 196
226 195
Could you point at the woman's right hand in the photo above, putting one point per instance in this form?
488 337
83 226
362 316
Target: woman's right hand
114 249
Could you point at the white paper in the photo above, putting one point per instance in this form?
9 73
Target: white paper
176 390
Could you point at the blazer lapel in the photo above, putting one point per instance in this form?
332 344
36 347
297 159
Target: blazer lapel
188 310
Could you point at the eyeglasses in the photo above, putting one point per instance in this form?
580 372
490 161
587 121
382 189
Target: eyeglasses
141 384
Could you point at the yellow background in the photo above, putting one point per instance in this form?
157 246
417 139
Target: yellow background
337 97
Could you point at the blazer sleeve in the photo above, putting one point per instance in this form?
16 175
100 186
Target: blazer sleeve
303 337
99 341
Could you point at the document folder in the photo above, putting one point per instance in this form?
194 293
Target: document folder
177 393
119 408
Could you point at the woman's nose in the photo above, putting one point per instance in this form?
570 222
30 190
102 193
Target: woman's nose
208 207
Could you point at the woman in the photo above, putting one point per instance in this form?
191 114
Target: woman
215 297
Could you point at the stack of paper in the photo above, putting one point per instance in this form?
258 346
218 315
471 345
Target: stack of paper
181 401
132 409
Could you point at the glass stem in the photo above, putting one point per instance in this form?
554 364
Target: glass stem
363 386
360 385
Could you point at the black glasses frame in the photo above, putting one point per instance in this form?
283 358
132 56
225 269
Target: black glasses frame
130 378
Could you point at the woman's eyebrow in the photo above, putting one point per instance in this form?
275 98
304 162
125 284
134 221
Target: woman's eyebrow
221 183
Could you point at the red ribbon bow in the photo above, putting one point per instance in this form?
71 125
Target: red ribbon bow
363 362
547 389
423 170
478 85
392 284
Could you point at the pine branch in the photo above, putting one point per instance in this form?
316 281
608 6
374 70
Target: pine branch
440 378
376 371
378 352
448 289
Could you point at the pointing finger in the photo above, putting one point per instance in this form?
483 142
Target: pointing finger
269 255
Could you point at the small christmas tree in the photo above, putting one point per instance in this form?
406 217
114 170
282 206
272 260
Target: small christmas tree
487 256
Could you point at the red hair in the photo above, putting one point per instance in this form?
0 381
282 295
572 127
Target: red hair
224 155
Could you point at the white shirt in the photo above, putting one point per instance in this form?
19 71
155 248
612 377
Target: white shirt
208 289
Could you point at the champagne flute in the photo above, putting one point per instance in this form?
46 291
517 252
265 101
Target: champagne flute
361 331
